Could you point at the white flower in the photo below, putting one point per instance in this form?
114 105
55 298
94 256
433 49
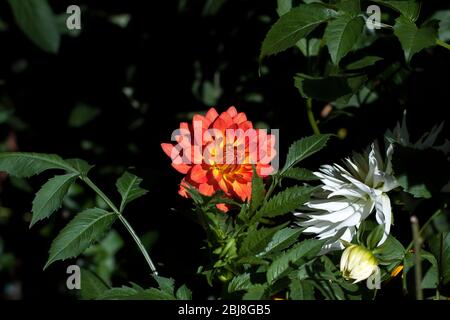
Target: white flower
358 263
348 196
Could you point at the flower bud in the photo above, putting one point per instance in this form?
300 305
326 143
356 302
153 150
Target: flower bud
358 263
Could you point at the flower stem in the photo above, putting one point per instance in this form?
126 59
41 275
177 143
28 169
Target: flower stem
443 44
311 118
417 258
423 228
124 222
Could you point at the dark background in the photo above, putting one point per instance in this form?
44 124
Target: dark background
166 54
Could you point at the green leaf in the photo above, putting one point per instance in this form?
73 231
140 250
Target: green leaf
37 21
165 284
286 201
183 293
375 236
301 253
118 293
301 290
92 286
50 197
136 293
81 166
312 87
444 23
408 8
257 292
283 6
436 249
367 61
350 6
309 47
304 148
341 34
23 164
293 26
87 227
281 240
239 283
300 174
390 251
256 241
129 189
258 191
412 38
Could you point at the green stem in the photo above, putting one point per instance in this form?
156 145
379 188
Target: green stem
423 228
139 244
311 118
271 188
417 258
443 44
440 266
124 222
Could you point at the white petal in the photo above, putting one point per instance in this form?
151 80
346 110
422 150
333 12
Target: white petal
384 215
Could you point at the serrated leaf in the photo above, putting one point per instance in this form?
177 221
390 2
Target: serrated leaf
50 197
118 293
165 284
341 34
36 19
92 287
293 26
81 166
129 189
281 240
153 294
135 293
304 148
365 62
23 164
301 253
375 236
256 292
301 290
443 16
283 6
350 6
256 241
300 174
258 191
444 258
412 38
390 251
239 283
286 201
184 293
408 8
87 227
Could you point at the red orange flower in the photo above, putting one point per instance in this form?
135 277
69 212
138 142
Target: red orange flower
216 152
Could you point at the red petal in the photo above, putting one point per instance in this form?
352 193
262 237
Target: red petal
182 168
205 122
232 111
222 207
239 118
246 125
206 189
212 114
198 174
167 148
